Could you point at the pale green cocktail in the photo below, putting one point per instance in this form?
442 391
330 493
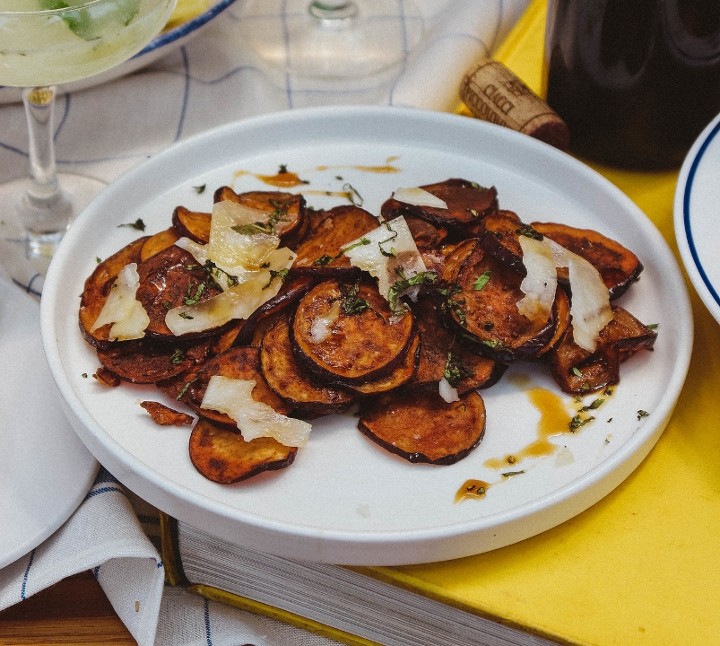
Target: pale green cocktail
48 42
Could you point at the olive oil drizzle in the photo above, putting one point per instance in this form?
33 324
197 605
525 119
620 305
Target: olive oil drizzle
285 178
556 419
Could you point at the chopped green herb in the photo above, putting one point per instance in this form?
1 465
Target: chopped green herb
578 422
281 274
400 286
193 298
527 231
642 413
454 371
351 303
200 189
138 225
353 195
177 356
481 281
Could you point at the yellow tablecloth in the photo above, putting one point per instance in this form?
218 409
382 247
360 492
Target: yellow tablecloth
639 567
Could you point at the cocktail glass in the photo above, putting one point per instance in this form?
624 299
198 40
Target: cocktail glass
45 43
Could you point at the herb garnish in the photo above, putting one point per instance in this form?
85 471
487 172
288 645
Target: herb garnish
454 371
481 281
355 198
138 225
351 303
192 299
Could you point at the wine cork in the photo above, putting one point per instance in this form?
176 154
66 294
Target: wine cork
493 93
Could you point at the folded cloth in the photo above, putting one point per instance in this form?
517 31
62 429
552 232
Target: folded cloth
211 80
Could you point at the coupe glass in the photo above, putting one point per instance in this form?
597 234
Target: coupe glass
44 43
332 39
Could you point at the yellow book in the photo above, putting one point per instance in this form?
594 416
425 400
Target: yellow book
637 568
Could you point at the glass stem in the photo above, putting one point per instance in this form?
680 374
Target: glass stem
39 109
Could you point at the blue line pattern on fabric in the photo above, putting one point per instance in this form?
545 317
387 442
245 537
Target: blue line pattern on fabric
23 589
208 631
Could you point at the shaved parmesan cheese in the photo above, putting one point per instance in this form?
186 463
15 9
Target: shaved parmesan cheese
122 309
237 239
254 419
235 303
447 392
540 282
249 261
322 324
590 309
417 196
387 253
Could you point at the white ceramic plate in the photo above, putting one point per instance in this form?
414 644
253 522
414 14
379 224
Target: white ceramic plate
345 500
161 45
45 471
696 215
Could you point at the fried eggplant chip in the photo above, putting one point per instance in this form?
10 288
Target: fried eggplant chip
578 371
97 287
191 224
222 455
424 428
345 333
329 232
308 396
147 361
163 415
618 266
467 205
286 212
481 305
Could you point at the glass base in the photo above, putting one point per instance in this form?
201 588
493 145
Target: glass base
26 254
290 36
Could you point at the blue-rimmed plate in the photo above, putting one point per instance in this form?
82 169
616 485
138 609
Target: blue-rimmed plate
697 218
167 41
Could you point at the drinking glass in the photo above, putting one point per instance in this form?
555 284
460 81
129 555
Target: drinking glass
44 43
331 39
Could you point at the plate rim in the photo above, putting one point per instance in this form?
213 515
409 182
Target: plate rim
565 504
683 216
83 467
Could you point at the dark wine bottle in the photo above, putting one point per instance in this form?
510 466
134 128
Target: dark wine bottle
635 80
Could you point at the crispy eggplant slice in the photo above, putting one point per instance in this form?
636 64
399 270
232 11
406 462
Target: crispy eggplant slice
424 428
308 396
223 456
346 333
442 354
427 236
147 361
191 224
96 289
158 242
165 416
500 238
618 266
329 231
286 211
169 279
578 371
481 304
400 375
236 363
293 288
467 205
